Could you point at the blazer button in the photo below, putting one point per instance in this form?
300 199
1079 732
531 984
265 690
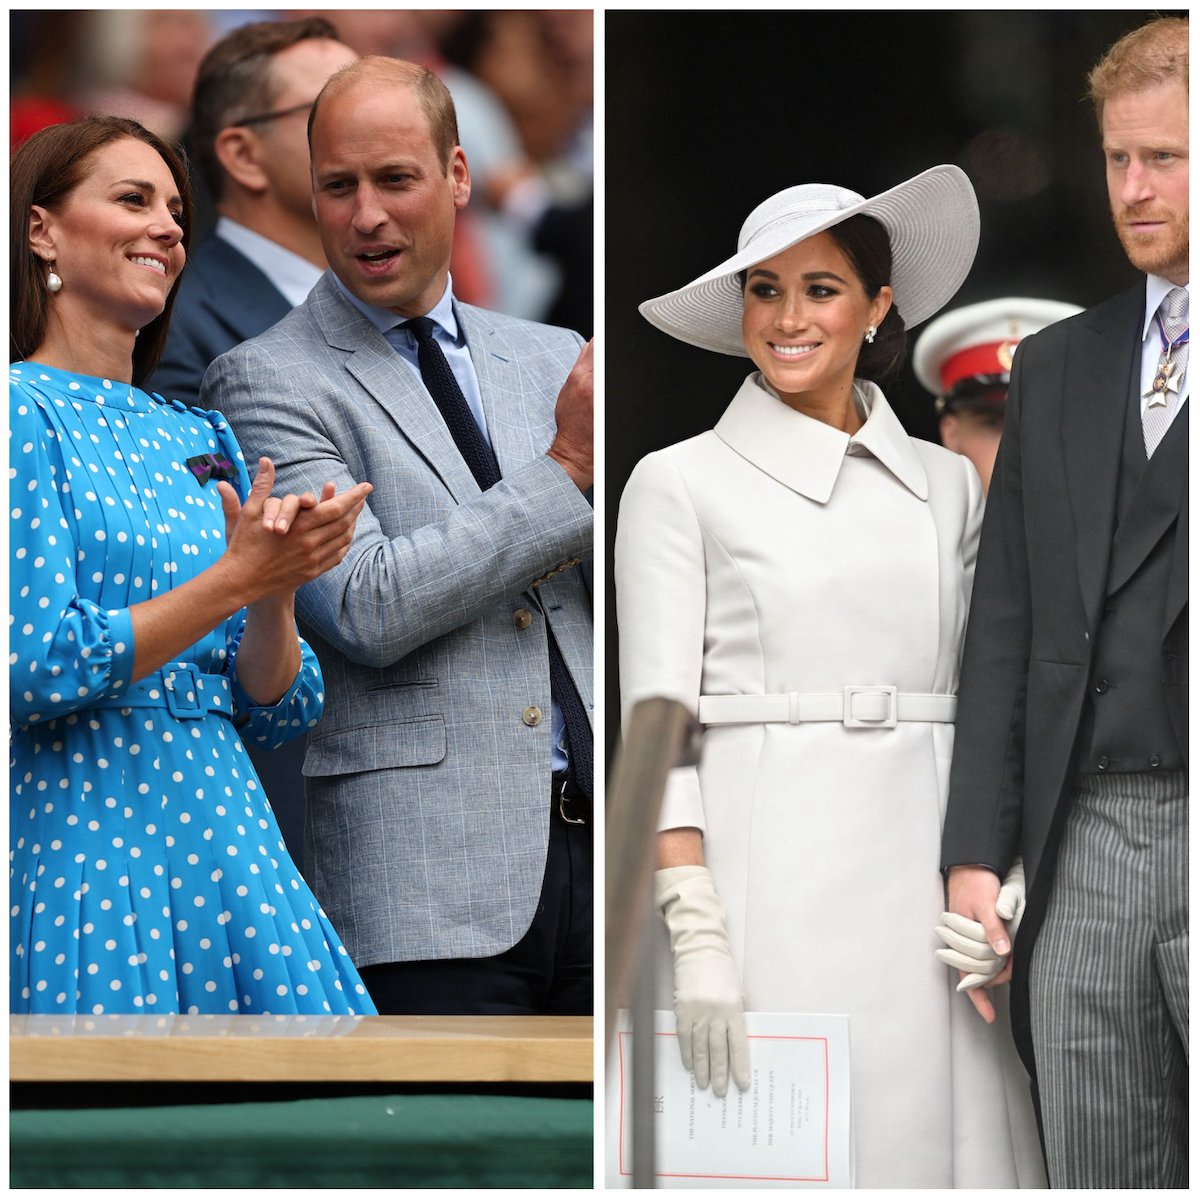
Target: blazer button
522 618
1155 761
1102 686
1102 765
532 715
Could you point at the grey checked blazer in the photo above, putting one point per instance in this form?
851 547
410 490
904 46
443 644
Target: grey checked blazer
427 791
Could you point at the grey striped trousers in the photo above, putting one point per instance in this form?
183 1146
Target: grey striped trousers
1108 988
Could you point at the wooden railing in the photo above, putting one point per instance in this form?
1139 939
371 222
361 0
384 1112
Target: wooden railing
166 1049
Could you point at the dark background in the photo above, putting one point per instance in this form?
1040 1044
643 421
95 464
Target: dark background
708 113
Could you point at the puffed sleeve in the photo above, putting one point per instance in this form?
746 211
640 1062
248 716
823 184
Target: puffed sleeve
300 708
658 569
65 651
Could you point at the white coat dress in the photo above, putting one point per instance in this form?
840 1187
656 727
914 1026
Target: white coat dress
776 554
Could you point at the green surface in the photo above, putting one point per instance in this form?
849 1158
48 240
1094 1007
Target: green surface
355 1141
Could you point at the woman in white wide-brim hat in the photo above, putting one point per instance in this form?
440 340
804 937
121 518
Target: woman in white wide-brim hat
799 576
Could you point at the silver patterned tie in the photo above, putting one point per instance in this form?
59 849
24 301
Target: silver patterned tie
1171 371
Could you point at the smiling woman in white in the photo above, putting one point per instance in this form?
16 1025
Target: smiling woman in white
800 577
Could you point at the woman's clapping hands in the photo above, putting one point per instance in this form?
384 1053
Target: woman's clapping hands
281 542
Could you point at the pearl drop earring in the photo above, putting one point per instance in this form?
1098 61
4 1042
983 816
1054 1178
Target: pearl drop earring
53 282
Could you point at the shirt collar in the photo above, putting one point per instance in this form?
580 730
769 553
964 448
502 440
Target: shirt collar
805 454
385 320
292 275
1156 292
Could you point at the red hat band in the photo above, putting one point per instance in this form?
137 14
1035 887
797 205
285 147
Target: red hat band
991 358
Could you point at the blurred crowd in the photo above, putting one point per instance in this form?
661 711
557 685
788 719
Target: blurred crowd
521 82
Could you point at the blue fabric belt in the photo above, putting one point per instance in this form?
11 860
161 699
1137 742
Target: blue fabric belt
182 688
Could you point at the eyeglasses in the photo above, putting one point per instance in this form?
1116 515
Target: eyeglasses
271 116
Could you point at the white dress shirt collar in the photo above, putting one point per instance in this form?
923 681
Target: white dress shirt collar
805 454
292 274
1156 292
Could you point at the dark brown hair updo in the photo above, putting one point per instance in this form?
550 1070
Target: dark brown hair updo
864 241
45 170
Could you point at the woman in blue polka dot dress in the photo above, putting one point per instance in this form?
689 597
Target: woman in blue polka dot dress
152 624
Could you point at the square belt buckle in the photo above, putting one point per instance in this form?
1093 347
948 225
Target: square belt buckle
880 697
183 693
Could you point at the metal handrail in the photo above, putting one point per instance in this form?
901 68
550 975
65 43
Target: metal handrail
660 734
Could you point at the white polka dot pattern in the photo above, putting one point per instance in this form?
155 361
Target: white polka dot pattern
148 873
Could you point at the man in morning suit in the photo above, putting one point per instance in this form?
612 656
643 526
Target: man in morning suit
253 93
1072 723
448 826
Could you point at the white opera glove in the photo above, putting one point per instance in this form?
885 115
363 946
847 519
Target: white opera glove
967 948
709 1014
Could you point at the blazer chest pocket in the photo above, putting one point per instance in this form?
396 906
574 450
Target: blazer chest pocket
418 742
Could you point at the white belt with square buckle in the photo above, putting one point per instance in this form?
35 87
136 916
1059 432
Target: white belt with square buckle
857 706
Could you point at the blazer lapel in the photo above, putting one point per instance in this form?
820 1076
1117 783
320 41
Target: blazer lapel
1155 504
249 302
388 380
1101 358
518 430
1177 581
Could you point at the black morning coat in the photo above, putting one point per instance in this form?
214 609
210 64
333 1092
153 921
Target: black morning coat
1046 556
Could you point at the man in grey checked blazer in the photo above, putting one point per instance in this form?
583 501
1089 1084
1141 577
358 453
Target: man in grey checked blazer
431 839
1072 738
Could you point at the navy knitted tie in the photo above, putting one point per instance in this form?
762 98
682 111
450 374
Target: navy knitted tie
478 455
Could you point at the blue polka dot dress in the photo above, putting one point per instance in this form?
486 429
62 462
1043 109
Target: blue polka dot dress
148 873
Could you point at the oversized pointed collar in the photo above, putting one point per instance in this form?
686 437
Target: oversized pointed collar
805 454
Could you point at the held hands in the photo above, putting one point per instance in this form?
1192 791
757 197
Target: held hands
977 943
279 543
709 1016
573 413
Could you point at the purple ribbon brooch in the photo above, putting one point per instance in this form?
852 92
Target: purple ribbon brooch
210 466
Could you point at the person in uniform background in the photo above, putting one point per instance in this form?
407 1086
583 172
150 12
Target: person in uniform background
1072 737
964 358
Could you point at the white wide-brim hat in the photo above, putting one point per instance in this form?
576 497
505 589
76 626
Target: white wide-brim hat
932 221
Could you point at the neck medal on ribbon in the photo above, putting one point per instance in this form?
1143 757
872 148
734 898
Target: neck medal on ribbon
1166 377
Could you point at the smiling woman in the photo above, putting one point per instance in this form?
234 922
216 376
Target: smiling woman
118 239
799 578
89 183
152 610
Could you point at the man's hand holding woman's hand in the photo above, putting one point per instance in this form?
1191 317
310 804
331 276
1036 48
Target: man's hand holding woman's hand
977 943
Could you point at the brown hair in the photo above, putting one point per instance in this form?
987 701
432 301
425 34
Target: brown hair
431 93
45 170
865 242
235 81
1153 53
